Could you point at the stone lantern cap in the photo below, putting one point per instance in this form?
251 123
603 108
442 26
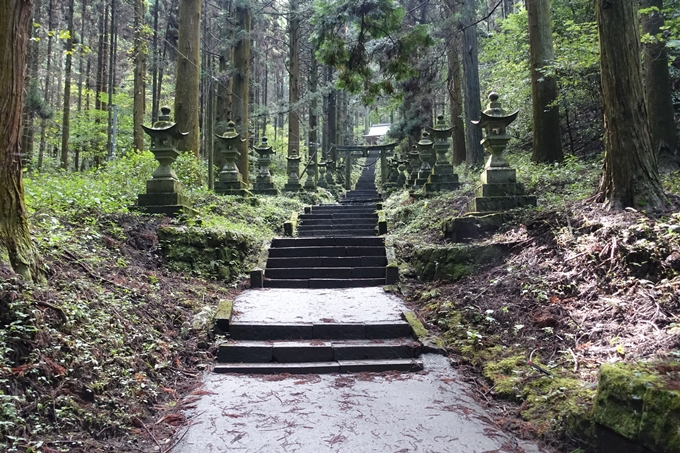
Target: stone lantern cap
164 129
493 119
293 155
441 130
230 136
264 147
425 140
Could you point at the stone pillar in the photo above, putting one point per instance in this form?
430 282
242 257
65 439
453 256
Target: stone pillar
413 166
230 180
443 177
164 191
312 169
322 175
425 156
293 170
499 189
263 183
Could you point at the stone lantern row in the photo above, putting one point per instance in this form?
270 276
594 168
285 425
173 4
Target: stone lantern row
426 167
164 193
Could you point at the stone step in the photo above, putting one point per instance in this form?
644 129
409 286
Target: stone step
327 283
329 242
324 261
340 224
345 366
338 216
314 251
325 273
317 350
336 233
268 331
341 208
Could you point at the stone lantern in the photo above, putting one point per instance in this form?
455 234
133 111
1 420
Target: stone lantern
312 168
499 189
330 170
230 179
263 182
322 175
443 177
164 191
425 155
401 172
413 165
293 170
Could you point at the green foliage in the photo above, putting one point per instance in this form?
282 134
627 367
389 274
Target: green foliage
367 42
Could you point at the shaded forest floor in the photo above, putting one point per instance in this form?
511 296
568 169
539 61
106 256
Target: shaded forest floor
578 287
105 354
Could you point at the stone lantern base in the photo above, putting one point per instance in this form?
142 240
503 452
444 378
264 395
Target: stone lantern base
238 188
442 179
499 191
164 197
264 188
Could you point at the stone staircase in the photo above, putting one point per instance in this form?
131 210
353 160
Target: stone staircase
309 324
319 347
337 244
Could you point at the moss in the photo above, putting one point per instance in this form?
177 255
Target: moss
223 314
418 328
635 401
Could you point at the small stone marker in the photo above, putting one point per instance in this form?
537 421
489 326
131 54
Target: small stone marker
230 179
499 190
263 183
312 169
164 191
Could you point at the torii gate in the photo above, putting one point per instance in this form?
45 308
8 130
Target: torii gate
363 151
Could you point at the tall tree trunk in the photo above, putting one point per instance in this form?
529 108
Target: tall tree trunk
154 64
66 117
140 73
81 55
112 77
48 81
455 87
293 77
630 169
658 89
241 84
474 153
189 72
332 113
313 136
15 236
547 146
31 84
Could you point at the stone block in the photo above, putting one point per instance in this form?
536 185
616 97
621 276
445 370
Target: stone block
636 401
339 331
257 278
499 175
163 185
251 352
499 190
161 199
308 352
491 204
223 315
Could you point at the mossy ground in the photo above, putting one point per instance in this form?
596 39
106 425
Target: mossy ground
577 286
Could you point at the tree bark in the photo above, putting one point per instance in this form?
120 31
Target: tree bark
547 146
241 84
474 153
139 76
66 117
188 72
31 84
630 175
455 87
15 237
293 78
658 90
48 80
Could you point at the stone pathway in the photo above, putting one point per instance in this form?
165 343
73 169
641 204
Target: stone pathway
389 412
